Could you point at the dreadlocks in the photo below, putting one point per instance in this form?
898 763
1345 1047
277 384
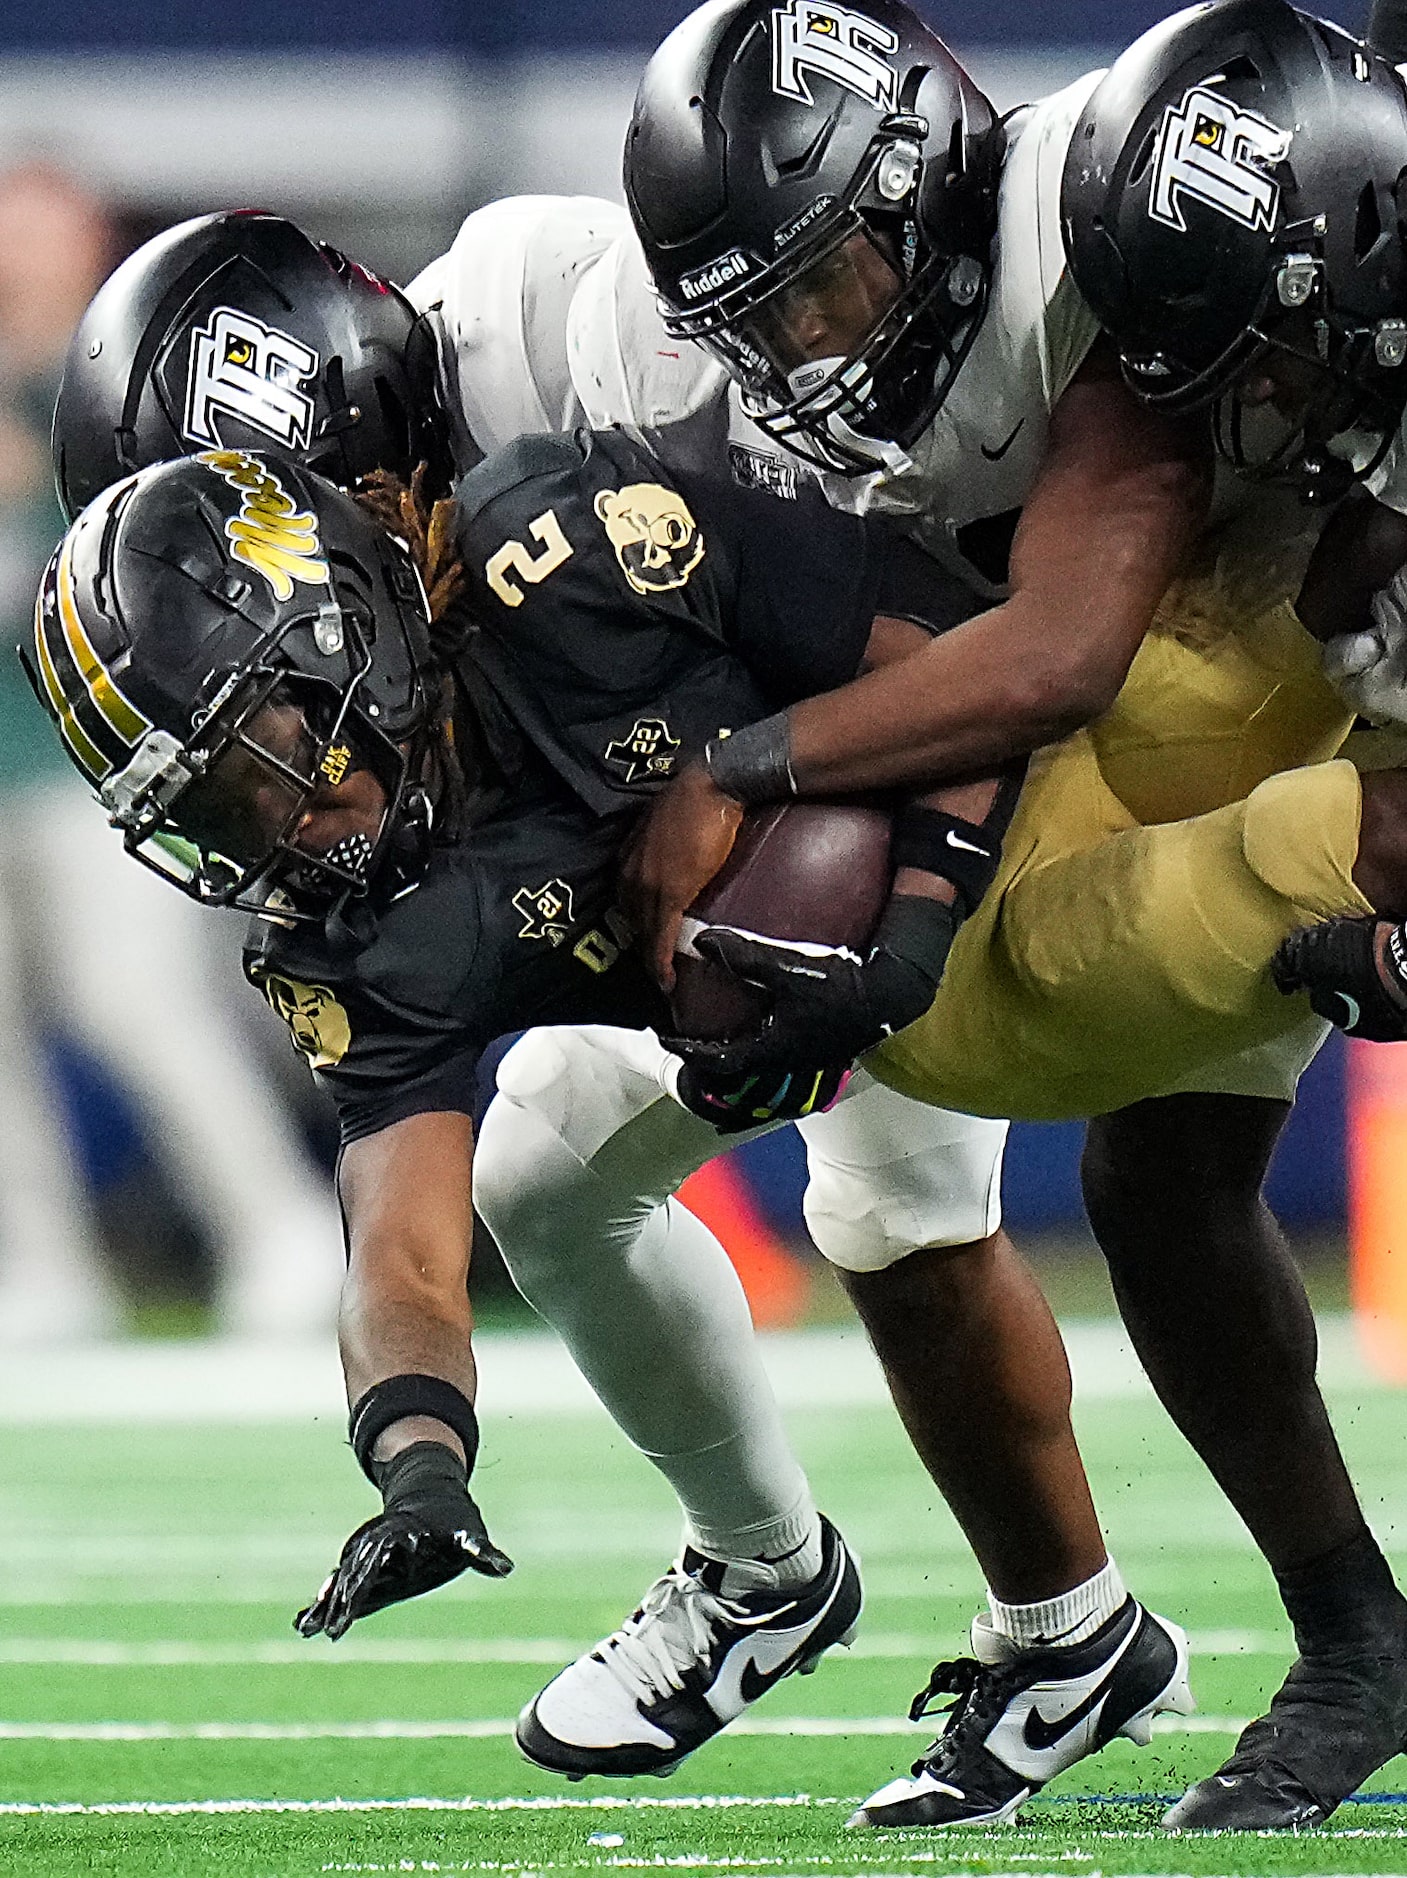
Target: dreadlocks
467 774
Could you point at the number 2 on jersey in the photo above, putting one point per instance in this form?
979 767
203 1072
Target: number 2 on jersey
514 558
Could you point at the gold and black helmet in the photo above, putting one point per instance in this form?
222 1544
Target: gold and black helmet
218 638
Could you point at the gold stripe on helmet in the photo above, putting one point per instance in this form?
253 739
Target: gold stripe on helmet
85 751
115 710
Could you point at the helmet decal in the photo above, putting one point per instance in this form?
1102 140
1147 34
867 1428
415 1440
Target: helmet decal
1216 153
656 539
269 534
117 713
835 43
251 371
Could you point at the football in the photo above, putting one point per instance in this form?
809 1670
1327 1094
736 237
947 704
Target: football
810 871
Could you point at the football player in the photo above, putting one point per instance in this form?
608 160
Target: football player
239 325
425 822
244 667
862 343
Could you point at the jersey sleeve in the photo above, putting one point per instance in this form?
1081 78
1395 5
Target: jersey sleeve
378 1065
806 587
1036 269
625 367
502 295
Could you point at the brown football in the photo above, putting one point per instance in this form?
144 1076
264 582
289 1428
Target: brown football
816 871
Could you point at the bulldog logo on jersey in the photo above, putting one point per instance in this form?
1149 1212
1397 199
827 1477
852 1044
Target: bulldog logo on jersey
649 750
546 911
318 1023
656 539
270 533
244 369
1212 151
835 43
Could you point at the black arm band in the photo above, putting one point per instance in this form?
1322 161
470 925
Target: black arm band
753 765
399 1396
965 853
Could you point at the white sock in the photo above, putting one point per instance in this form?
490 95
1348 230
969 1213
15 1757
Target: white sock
1069 1618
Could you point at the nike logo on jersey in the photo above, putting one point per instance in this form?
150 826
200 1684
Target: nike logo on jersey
995 456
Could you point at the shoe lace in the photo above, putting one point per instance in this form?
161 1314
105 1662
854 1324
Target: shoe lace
675 1626
981 1693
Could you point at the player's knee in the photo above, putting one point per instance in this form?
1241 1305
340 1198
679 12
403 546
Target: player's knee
862 1224
542 1184
1380 869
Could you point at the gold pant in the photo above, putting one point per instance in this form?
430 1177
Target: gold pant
1155 863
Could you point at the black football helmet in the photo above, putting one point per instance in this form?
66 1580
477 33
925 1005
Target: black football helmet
1233 200
765 137
237 331
217 638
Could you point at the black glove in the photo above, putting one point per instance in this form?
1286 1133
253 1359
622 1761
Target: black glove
1354 978
829 1006
429 1532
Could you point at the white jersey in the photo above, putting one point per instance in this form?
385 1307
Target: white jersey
549 320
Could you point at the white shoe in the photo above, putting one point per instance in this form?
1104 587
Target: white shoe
1024 1716
688 1662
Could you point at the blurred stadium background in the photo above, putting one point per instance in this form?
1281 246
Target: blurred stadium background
163 1162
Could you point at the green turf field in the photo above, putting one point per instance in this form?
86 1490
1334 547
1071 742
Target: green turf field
159 1715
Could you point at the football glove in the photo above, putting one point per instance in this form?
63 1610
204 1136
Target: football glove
734 1102
1369 669
429 1532
1355 971
829 1006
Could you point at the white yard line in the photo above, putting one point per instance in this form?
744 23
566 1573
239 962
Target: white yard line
168 1653
522 1373
803 1726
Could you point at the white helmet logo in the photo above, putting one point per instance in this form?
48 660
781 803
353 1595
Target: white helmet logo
817 36
251 371
1216 153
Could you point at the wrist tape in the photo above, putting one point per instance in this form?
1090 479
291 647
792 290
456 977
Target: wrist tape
753 765
391 1401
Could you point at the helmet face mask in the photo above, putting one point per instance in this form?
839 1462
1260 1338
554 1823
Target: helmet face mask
227 817
1233 214
771 144
853 410
239 661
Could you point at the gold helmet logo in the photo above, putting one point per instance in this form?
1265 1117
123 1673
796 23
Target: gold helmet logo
656 539
318 1022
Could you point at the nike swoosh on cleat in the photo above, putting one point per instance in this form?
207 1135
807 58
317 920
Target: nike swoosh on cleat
1040 1734
956 841
995 456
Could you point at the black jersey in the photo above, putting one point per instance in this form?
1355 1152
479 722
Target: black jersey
625 615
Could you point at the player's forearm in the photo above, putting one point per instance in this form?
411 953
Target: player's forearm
405 1303
991 691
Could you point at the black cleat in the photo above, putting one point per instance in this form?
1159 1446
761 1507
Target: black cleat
1024 1716
1338 1716
688 1662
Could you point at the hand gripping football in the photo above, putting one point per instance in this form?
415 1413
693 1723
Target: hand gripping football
800 871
